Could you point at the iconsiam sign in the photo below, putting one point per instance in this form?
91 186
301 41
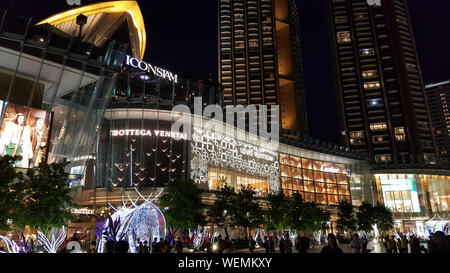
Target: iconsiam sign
157 71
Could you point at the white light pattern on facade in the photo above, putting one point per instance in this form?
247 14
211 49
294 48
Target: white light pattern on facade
214 149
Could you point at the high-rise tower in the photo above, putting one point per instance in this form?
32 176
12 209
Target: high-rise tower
382 96
259 57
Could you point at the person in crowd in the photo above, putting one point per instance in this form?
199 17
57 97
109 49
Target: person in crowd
271 245
140 247
393 244
332 247
227 245
355 244
252 245
165 247
439 244
387 244
109 247
266 245
281 245
297 243
220 244
93 247
122 247
305 244
145 247
364 243
287 243
404 244
179 245
155 246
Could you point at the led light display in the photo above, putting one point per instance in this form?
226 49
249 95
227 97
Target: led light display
209 148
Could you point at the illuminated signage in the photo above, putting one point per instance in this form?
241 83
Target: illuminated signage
157 71
437 84
142 132
82 211
329 169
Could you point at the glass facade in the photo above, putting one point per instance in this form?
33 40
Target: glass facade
399 192
318 181
217 176
439 191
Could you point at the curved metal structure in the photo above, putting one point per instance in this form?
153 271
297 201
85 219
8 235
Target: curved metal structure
102 21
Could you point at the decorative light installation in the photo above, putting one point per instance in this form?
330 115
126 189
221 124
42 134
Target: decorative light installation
51 245
198 236
292 236
11 246
214 149
142 221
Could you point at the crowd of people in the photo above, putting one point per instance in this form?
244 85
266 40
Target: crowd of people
438 243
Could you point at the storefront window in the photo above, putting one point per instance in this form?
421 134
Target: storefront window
218 176
318 181
399 192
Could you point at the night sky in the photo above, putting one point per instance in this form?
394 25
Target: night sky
182 37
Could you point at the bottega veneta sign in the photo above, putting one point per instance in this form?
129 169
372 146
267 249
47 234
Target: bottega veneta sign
157 71
142 132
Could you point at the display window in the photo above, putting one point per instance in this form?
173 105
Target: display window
308 175
333 199
297 173
307 164
319 176
317 165
332 189
321 198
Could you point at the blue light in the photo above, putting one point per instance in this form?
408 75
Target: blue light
375 102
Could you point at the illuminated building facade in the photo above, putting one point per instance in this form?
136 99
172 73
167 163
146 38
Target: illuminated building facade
382 97
438 101
259 58
414 197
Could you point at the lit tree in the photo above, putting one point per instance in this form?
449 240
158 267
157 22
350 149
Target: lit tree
246 211
45 197
306 216
277 214
365 217
346 217
222 209
182 204
383 218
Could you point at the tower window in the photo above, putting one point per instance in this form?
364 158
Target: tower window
366 52
343 37
400 135
378 126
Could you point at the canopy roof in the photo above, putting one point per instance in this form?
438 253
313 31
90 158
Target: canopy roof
103 19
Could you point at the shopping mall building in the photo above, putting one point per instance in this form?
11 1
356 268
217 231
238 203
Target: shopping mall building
95 103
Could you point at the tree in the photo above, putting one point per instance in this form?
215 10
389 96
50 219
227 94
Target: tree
7 195
277 214
39 199
365 217
383 218
346 217
221 211
182 203
246 210
46 197
306 216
